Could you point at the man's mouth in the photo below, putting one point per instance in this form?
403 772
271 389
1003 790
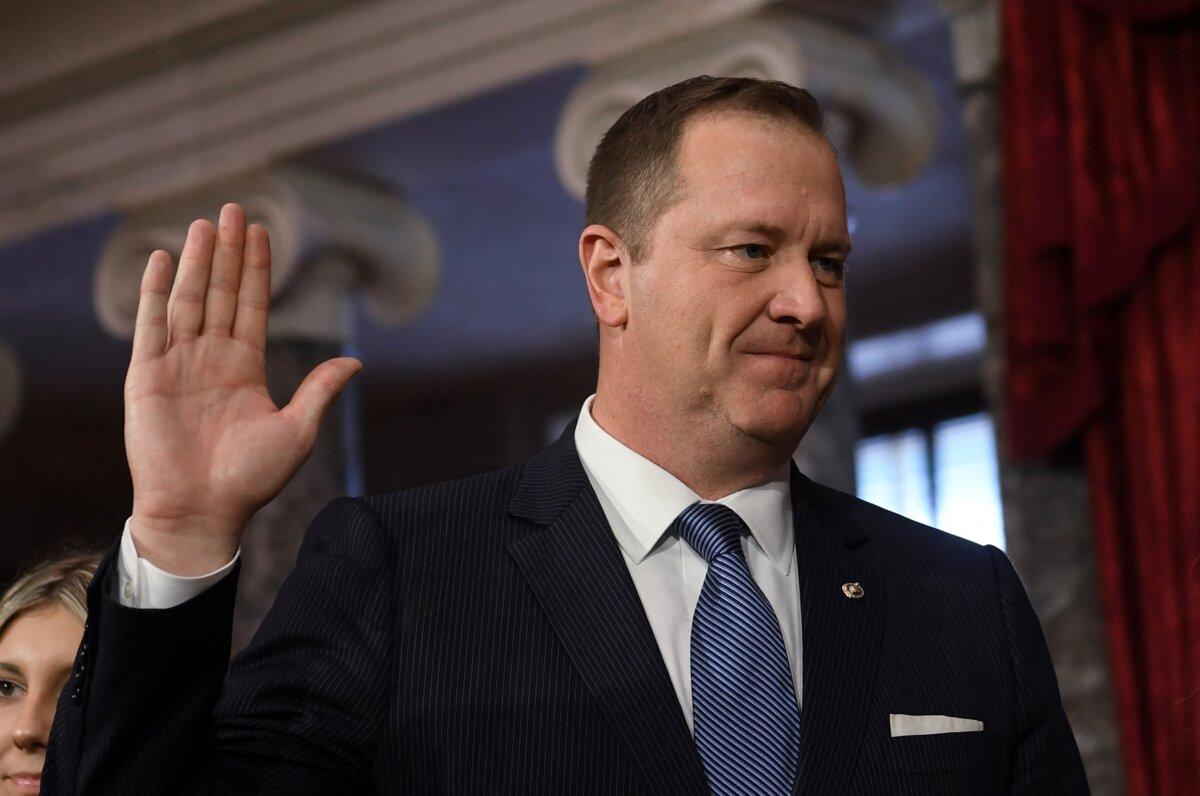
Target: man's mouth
802 356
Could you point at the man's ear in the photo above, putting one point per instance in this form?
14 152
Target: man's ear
606 265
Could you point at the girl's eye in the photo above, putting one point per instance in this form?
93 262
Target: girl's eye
7 688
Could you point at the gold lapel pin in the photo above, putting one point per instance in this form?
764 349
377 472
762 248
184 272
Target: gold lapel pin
853 590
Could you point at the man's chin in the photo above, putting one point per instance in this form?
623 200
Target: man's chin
777 418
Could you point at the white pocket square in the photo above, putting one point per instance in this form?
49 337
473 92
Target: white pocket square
931 725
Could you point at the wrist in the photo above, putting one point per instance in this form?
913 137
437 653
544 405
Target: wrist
186 546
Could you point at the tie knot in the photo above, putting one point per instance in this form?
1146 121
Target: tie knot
711 529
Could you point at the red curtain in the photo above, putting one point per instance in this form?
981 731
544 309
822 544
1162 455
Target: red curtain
1101 138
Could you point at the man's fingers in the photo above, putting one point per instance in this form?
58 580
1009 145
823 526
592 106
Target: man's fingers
150 329
319 389
254 294
185 308
221 302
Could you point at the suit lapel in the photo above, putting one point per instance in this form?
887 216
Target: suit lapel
574 565
840 635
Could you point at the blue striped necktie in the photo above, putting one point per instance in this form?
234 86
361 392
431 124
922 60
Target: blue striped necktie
744 712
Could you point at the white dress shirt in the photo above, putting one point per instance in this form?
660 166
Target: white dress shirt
140 584
640 501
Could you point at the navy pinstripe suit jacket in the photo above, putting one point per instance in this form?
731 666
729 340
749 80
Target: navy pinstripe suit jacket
484 635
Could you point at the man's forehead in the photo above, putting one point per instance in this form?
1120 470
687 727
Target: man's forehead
724 115
762 186
718 127
725 152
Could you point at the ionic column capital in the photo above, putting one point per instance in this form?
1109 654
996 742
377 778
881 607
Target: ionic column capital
329 237
880 112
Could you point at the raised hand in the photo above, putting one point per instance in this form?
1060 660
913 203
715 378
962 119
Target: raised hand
206 444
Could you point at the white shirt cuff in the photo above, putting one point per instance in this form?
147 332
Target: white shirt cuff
143 585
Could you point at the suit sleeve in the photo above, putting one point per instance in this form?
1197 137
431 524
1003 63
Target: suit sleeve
159 708
1046 757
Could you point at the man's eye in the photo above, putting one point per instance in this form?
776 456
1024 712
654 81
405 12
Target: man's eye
830 266
7 688
752 251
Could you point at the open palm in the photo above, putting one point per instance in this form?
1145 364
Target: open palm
206 444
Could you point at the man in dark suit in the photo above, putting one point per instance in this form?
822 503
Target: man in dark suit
659 602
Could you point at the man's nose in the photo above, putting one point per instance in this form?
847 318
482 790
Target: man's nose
33 725
798 299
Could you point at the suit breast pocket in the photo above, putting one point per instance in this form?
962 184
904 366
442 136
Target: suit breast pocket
942 752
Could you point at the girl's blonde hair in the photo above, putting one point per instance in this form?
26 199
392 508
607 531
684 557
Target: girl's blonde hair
63 581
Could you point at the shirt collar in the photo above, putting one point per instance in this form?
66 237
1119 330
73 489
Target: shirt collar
647 498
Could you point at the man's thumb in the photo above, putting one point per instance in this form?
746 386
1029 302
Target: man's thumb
320 388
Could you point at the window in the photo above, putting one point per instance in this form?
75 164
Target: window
943 474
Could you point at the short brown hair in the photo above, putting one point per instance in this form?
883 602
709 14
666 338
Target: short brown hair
61 582
633 174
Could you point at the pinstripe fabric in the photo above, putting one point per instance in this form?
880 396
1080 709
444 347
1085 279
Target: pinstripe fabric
746 718
573 565
484 636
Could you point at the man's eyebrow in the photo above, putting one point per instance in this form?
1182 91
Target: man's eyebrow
10 668
770 230
837 245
